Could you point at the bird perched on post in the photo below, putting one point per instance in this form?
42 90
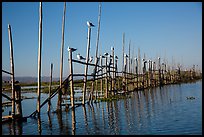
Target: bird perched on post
116 57
89 24
90 59
106 54
72 49
79 57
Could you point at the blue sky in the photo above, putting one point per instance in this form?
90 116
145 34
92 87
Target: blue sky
167 29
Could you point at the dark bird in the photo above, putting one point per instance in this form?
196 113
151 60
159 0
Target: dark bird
125 55
116 57
89 24
106 54
72 49
79 57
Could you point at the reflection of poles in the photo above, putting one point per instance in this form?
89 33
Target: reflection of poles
39 58
49 121
59 118
85 117
19 128
59 106
86 67
39 125
49 101
73 121
12 71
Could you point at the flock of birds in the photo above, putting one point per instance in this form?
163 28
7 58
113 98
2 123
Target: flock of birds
79 57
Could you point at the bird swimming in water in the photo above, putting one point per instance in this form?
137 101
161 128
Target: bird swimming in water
89 24
79 57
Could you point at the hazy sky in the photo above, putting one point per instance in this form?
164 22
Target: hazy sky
169 30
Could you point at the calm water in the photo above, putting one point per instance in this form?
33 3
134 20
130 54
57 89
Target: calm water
162 111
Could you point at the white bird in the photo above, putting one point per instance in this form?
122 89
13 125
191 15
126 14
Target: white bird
80 57
89 24
72 49
90 59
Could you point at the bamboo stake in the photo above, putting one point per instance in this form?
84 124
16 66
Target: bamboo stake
113 79
101 58
12 71
86 67
129 56
123 53
59 107
71 78
39 58
49 102
106 93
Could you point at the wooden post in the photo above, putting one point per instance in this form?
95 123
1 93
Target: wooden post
123 54
39 59
96 55
106 93
12 71
59 107
101 58
115 72
129 57
160 82
113 76
49 102
71 78
86 67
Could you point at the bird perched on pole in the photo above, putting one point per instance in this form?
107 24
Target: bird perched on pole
72 49
90 59
106 54
89 24
79 57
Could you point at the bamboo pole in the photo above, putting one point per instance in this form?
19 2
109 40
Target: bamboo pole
96 55
71 78
123 53
101 58
86 67
113 76
129 57
50 86
106 93
39 59
59 107
12 71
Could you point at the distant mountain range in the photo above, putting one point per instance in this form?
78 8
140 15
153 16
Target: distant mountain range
29 79
33 79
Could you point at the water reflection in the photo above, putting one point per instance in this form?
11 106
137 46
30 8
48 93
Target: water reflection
49 121
162 110
39 125
73 121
